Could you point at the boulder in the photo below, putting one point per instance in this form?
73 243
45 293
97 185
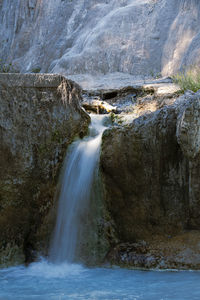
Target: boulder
39 116
150 169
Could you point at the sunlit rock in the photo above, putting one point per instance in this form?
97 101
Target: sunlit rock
147 37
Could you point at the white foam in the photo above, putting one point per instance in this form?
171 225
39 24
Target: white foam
46 269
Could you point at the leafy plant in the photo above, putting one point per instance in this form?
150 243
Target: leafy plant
155 75
36 70
188 79
7 67
116 119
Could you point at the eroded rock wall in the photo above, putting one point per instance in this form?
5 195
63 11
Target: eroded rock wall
40 115
141 37
152 186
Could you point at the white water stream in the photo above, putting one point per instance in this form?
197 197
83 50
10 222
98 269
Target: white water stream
79 169
59 279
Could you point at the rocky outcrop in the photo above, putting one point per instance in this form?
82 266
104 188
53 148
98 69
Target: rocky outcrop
140 37
97 106
133 98
40 115
152 181
178 252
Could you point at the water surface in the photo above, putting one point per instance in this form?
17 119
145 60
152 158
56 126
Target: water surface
45 281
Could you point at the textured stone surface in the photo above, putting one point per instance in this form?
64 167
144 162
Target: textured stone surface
39 117
152 180
133 98
188 129
161 252
140 37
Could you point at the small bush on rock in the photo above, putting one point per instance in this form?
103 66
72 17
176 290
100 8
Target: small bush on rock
188 79
7 67
36 70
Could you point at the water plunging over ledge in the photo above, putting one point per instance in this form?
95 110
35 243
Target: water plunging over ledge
58 279
80 165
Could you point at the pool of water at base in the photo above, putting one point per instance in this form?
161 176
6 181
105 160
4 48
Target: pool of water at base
46 281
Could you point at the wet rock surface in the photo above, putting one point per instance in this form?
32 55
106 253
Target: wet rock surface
40 115
150 169
160 252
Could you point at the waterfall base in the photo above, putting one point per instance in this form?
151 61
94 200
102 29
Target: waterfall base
43 281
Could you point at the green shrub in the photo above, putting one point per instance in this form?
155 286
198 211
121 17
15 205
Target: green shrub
7 67
188 79
36 70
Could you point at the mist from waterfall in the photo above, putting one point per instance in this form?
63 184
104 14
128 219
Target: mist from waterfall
78 176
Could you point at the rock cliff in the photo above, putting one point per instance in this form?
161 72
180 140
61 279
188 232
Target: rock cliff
40 115
150 165
140 37
151 175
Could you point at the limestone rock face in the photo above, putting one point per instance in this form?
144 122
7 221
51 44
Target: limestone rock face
152 183
40 115
140 37
188 129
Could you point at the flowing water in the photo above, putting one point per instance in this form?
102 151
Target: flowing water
46 281
80 167
59 278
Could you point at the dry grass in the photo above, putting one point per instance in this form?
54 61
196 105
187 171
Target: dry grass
188 79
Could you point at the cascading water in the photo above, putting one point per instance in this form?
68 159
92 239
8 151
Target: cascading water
59 279
79 169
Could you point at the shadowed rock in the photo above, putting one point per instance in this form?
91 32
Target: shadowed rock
40 115
152 182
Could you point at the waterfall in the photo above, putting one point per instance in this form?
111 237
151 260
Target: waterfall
76 184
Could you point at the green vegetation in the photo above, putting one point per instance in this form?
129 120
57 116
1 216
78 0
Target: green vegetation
188 79
36 70
116 119
155 75
7 67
